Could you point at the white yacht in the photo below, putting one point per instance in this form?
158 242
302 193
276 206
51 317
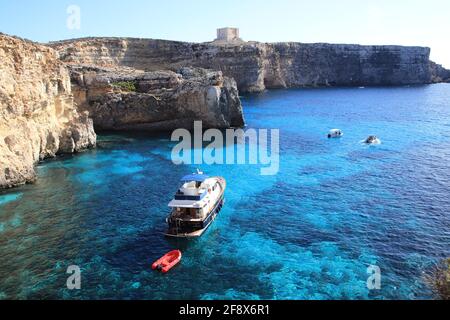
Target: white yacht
335 133
196 205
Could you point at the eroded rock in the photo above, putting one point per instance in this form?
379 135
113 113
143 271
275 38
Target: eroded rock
37 113
129 99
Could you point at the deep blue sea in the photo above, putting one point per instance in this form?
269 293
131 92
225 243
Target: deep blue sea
309 232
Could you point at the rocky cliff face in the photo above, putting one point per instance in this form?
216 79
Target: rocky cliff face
259 66
128 99
351 65
37 115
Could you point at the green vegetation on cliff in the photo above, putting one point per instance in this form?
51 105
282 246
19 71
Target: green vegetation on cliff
126 85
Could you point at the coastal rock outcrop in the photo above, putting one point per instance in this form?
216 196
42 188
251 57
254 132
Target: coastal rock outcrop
258 66
127 99
38 118
439 73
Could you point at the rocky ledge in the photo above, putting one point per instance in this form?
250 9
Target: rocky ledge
128 99
37 114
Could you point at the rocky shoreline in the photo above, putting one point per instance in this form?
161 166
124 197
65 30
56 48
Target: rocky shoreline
53 96
49 107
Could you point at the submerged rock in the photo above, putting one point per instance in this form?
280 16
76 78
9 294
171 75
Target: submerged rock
37 114
438 279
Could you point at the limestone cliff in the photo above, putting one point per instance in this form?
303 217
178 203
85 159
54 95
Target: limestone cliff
258 66
128 99
37 115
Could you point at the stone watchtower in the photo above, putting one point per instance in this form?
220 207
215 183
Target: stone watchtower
228 34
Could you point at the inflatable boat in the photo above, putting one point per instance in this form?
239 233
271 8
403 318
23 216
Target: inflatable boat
168 261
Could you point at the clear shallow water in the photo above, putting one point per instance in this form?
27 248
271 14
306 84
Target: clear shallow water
309 232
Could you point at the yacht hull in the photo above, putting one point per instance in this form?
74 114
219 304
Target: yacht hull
195 229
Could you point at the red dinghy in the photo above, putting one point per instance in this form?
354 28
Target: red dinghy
168 261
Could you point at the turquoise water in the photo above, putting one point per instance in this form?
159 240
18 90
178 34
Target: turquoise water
310 232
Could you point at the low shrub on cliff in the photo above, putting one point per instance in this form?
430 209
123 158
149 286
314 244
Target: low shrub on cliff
439 280
126 85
